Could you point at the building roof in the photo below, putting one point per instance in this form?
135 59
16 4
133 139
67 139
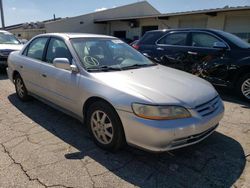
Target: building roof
211 12
207 11
16 26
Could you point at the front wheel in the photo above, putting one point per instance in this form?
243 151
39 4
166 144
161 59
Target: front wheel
21 90
105 126
244 87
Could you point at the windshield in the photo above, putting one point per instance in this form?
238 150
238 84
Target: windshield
8 38
109 54
234 39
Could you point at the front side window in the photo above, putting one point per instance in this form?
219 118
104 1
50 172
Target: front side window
8 38
57 49
176 39
203 40
36 48
98 53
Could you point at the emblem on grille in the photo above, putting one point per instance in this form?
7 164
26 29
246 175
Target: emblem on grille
211 108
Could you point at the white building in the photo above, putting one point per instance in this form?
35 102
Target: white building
133 20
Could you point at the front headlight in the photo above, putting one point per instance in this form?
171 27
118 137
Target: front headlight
160 112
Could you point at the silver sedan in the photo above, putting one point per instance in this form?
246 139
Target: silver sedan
121 96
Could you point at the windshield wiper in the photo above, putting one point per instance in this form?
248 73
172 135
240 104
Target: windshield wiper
138 66
104 68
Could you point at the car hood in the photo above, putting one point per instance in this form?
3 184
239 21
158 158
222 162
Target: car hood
160 85
11 47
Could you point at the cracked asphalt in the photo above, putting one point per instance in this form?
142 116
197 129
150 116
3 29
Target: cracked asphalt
42 147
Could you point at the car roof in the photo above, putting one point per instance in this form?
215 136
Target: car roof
183 29
76 35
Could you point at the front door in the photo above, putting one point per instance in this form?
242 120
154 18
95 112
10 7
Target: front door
61 85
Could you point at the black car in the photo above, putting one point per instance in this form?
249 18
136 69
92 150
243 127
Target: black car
217 56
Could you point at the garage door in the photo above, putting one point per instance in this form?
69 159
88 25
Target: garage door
193 23
237 24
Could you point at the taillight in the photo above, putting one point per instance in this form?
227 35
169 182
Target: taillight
135 46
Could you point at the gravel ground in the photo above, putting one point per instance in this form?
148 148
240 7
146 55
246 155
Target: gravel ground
42 147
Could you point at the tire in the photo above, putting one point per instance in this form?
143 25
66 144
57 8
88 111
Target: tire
105 126
21 90
243 87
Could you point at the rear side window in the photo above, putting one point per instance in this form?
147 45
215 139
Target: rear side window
176 39
36 48
203 40
151 37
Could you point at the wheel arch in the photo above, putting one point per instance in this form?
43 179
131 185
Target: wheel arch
241 72
94 99
14 74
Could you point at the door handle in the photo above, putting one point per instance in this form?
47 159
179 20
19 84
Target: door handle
192 53
44 75
160 49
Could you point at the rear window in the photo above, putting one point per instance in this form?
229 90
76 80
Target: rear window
151 37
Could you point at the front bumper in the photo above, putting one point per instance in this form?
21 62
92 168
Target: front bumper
160 136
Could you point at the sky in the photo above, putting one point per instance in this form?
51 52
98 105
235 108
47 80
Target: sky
21 11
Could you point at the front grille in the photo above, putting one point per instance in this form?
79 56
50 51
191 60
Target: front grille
208 107
192 138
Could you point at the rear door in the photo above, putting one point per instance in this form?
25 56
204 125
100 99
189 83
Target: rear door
208 62
172 50
30 63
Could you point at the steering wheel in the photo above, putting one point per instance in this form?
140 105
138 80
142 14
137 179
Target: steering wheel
119 58
91 61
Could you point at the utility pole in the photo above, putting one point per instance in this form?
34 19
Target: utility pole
2 14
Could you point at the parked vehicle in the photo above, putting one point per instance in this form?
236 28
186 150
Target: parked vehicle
121 95
8 43
133 44
217 56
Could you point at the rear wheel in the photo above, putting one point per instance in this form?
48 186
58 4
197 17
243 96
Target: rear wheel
105 126
244 87
21 90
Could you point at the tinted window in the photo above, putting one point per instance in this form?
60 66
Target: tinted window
203 40
178 39
57 49
36 48
151 37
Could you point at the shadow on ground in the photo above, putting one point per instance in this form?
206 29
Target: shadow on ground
216 162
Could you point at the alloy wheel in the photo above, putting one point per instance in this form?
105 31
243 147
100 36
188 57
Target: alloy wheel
245 88
20 87
102 127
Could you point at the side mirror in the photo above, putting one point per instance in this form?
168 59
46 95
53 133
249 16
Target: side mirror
220 45
63 63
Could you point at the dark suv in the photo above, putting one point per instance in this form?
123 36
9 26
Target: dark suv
217 56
